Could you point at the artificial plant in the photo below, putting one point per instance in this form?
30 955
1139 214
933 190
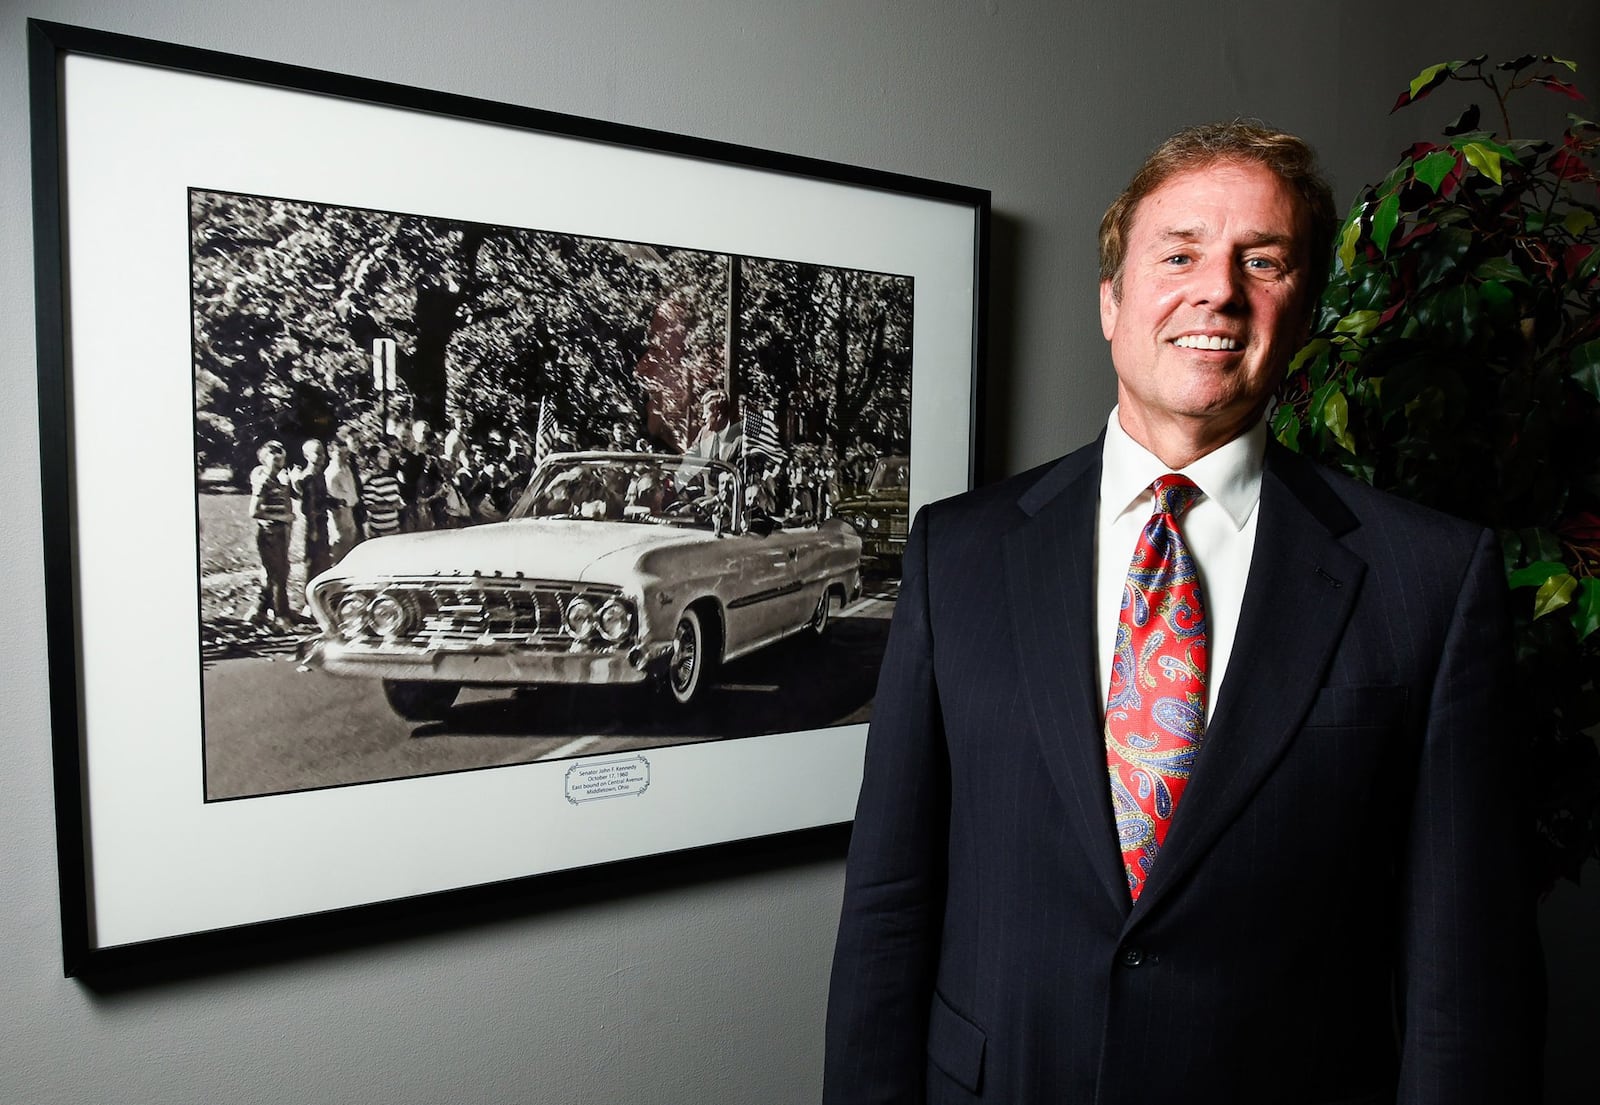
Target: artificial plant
1455 360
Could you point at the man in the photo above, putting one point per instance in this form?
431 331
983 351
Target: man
273 515
1248 840
310 487
720 437
344 494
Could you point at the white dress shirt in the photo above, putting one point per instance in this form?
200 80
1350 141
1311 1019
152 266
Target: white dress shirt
1219 529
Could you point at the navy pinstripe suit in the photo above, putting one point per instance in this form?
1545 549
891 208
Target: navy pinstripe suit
1336 916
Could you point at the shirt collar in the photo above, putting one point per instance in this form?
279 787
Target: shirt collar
1229 475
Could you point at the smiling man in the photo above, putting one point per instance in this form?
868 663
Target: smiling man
1205 795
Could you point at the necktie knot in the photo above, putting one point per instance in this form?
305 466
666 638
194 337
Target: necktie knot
1174 494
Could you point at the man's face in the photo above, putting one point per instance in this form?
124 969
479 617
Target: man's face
1214 302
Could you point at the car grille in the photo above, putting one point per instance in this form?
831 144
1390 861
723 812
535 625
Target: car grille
479 609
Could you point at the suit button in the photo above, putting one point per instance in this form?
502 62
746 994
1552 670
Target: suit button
1132 957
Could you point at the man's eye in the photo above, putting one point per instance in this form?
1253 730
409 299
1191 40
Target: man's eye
1177 259
1263 264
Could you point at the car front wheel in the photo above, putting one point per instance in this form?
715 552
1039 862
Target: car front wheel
819 618
690 663
419 701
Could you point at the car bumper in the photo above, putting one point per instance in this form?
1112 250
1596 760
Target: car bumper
490 664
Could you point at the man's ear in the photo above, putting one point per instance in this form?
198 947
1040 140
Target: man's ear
1108 309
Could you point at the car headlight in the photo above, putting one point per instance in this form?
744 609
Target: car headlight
874 524
390 615
351 615
615 620
580 617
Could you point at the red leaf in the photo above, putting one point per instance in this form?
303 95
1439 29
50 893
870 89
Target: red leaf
1566 163
1562 87
1388 316
1573 257
1405 98
1580 527
1452 180
1420 150
1414 233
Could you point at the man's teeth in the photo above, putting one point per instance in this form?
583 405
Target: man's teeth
1201 341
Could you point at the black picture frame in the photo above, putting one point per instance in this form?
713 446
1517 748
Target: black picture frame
126 803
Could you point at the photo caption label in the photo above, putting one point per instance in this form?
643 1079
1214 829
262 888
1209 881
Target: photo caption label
617 778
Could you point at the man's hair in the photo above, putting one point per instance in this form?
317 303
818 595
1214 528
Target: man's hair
1242 141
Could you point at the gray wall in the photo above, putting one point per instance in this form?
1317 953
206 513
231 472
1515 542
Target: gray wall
709 989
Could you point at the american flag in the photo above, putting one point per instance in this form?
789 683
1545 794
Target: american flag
546 434
761 434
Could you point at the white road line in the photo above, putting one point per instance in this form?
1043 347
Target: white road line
571 748
860 604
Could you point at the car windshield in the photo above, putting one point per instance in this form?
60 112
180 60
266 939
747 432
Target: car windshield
624 487
890 474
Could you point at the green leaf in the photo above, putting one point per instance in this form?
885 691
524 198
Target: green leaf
1336 416
1541 544
1502 269
1577 221
1384 221
1442 254
1586 367
1358 324
1571 65
1536 574
1286 427
1308 352
1347 243
1586 611
1510 549
1553 594
1495 296
1430 76
1450 314
1432 170
1483 159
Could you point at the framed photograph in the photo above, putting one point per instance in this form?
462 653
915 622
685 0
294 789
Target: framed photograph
440 493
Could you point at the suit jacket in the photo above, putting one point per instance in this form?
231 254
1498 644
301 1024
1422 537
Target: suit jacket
1337 914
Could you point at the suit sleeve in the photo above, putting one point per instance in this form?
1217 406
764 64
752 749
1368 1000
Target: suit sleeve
1469 1018
883 969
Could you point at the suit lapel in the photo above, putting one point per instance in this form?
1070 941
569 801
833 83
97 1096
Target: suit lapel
1049 576
1302 587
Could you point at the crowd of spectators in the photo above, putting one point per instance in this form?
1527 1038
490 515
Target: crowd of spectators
358 485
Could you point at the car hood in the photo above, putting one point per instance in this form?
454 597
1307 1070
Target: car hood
540 548
873 499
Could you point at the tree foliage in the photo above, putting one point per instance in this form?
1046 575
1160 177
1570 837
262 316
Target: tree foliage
1456 361
493 323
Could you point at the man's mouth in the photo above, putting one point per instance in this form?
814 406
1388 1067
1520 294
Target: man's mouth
1207 341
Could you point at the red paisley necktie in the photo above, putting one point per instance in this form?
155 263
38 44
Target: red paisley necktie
1156 708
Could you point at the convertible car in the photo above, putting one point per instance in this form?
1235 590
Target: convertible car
612 568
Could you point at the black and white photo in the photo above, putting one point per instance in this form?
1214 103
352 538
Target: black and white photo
557 463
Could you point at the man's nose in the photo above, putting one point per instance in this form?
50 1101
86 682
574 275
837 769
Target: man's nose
1217 283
